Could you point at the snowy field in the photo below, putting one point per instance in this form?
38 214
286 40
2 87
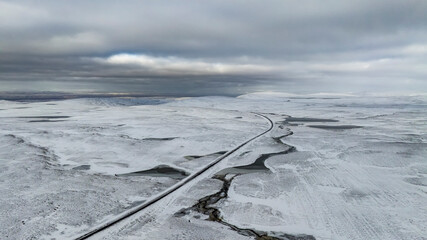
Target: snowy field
333 167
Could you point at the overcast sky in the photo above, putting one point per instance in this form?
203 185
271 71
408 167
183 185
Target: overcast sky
213 47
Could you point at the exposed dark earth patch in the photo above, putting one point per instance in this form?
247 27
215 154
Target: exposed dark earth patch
244 153
82 167
159 139
45 117
216 154
420 181
314 98
339 127
294 119
129 137
257 166
145 139
278 139
125 165
45 120
159 171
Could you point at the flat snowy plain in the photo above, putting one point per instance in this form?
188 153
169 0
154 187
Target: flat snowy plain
333 167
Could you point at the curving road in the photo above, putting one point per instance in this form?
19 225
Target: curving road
173 188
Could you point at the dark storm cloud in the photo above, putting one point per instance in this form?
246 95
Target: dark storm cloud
214 47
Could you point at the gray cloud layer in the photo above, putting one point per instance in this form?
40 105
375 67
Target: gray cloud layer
213 47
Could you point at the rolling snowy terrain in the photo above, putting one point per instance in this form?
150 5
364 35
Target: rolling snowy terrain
332 167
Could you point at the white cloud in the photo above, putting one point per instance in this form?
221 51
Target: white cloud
181 65
415 49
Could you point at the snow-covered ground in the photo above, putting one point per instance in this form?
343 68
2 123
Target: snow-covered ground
334 167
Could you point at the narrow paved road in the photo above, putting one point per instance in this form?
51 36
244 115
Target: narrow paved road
173 188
